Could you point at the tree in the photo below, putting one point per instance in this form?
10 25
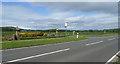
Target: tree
52 30
90 30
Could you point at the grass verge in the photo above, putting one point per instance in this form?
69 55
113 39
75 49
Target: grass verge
118 61
36 42
100 35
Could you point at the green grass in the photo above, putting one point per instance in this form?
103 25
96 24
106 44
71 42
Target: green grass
36 42
100 35
118 61
94 34
7 34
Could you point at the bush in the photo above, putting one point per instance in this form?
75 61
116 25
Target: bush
32 34
23 34
39 34
45 34
52 34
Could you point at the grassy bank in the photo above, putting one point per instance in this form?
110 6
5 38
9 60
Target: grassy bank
36 42
118 61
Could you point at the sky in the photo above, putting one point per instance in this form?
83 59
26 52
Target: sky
60 0
52 15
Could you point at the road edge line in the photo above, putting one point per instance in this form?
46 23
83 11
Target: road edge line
112 58
38 55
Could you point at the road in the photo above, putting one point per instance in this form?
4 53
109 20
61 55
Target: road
94 49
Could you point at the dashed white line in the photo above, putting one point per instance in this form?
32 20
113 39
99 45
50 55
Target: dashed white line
38 55
94 43
111 39
87 44
101 41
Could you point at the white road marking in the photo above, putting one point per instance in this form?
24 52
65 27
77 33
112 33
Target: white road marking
94 43
101 41
111 39
27 47
87 44
110 60
38 55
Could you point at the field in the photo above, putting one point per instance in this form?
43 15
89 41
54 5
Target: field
8 35
42 41
86 34
94 34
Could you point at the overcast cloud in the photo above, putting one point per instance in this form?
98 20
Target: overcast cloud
110 7
60 0
104 16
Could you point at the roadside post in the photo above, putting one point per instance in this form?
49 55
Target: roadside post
66 27
73 33
13 37
77 35
17 32
104 31
57 32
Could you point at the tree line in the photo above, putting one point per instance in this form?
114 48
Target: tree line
13 29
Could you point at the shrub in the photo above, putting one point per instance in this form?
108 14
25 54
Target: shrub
32 34
52 34
45 34
23 34
39 34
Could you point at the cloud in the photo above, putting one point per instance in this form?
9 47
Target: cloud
101 7
60 0
0 14
18 12
97 21
17 15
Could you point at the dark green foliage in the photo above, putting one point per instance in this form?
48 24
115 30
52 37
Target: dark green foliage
90 30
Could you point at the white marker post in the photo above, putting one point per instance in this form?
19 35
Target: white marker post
104 31
73 33
77 35
66 27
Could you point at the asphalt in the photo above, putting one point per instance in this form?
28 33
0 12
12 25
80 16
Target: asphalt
94 49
